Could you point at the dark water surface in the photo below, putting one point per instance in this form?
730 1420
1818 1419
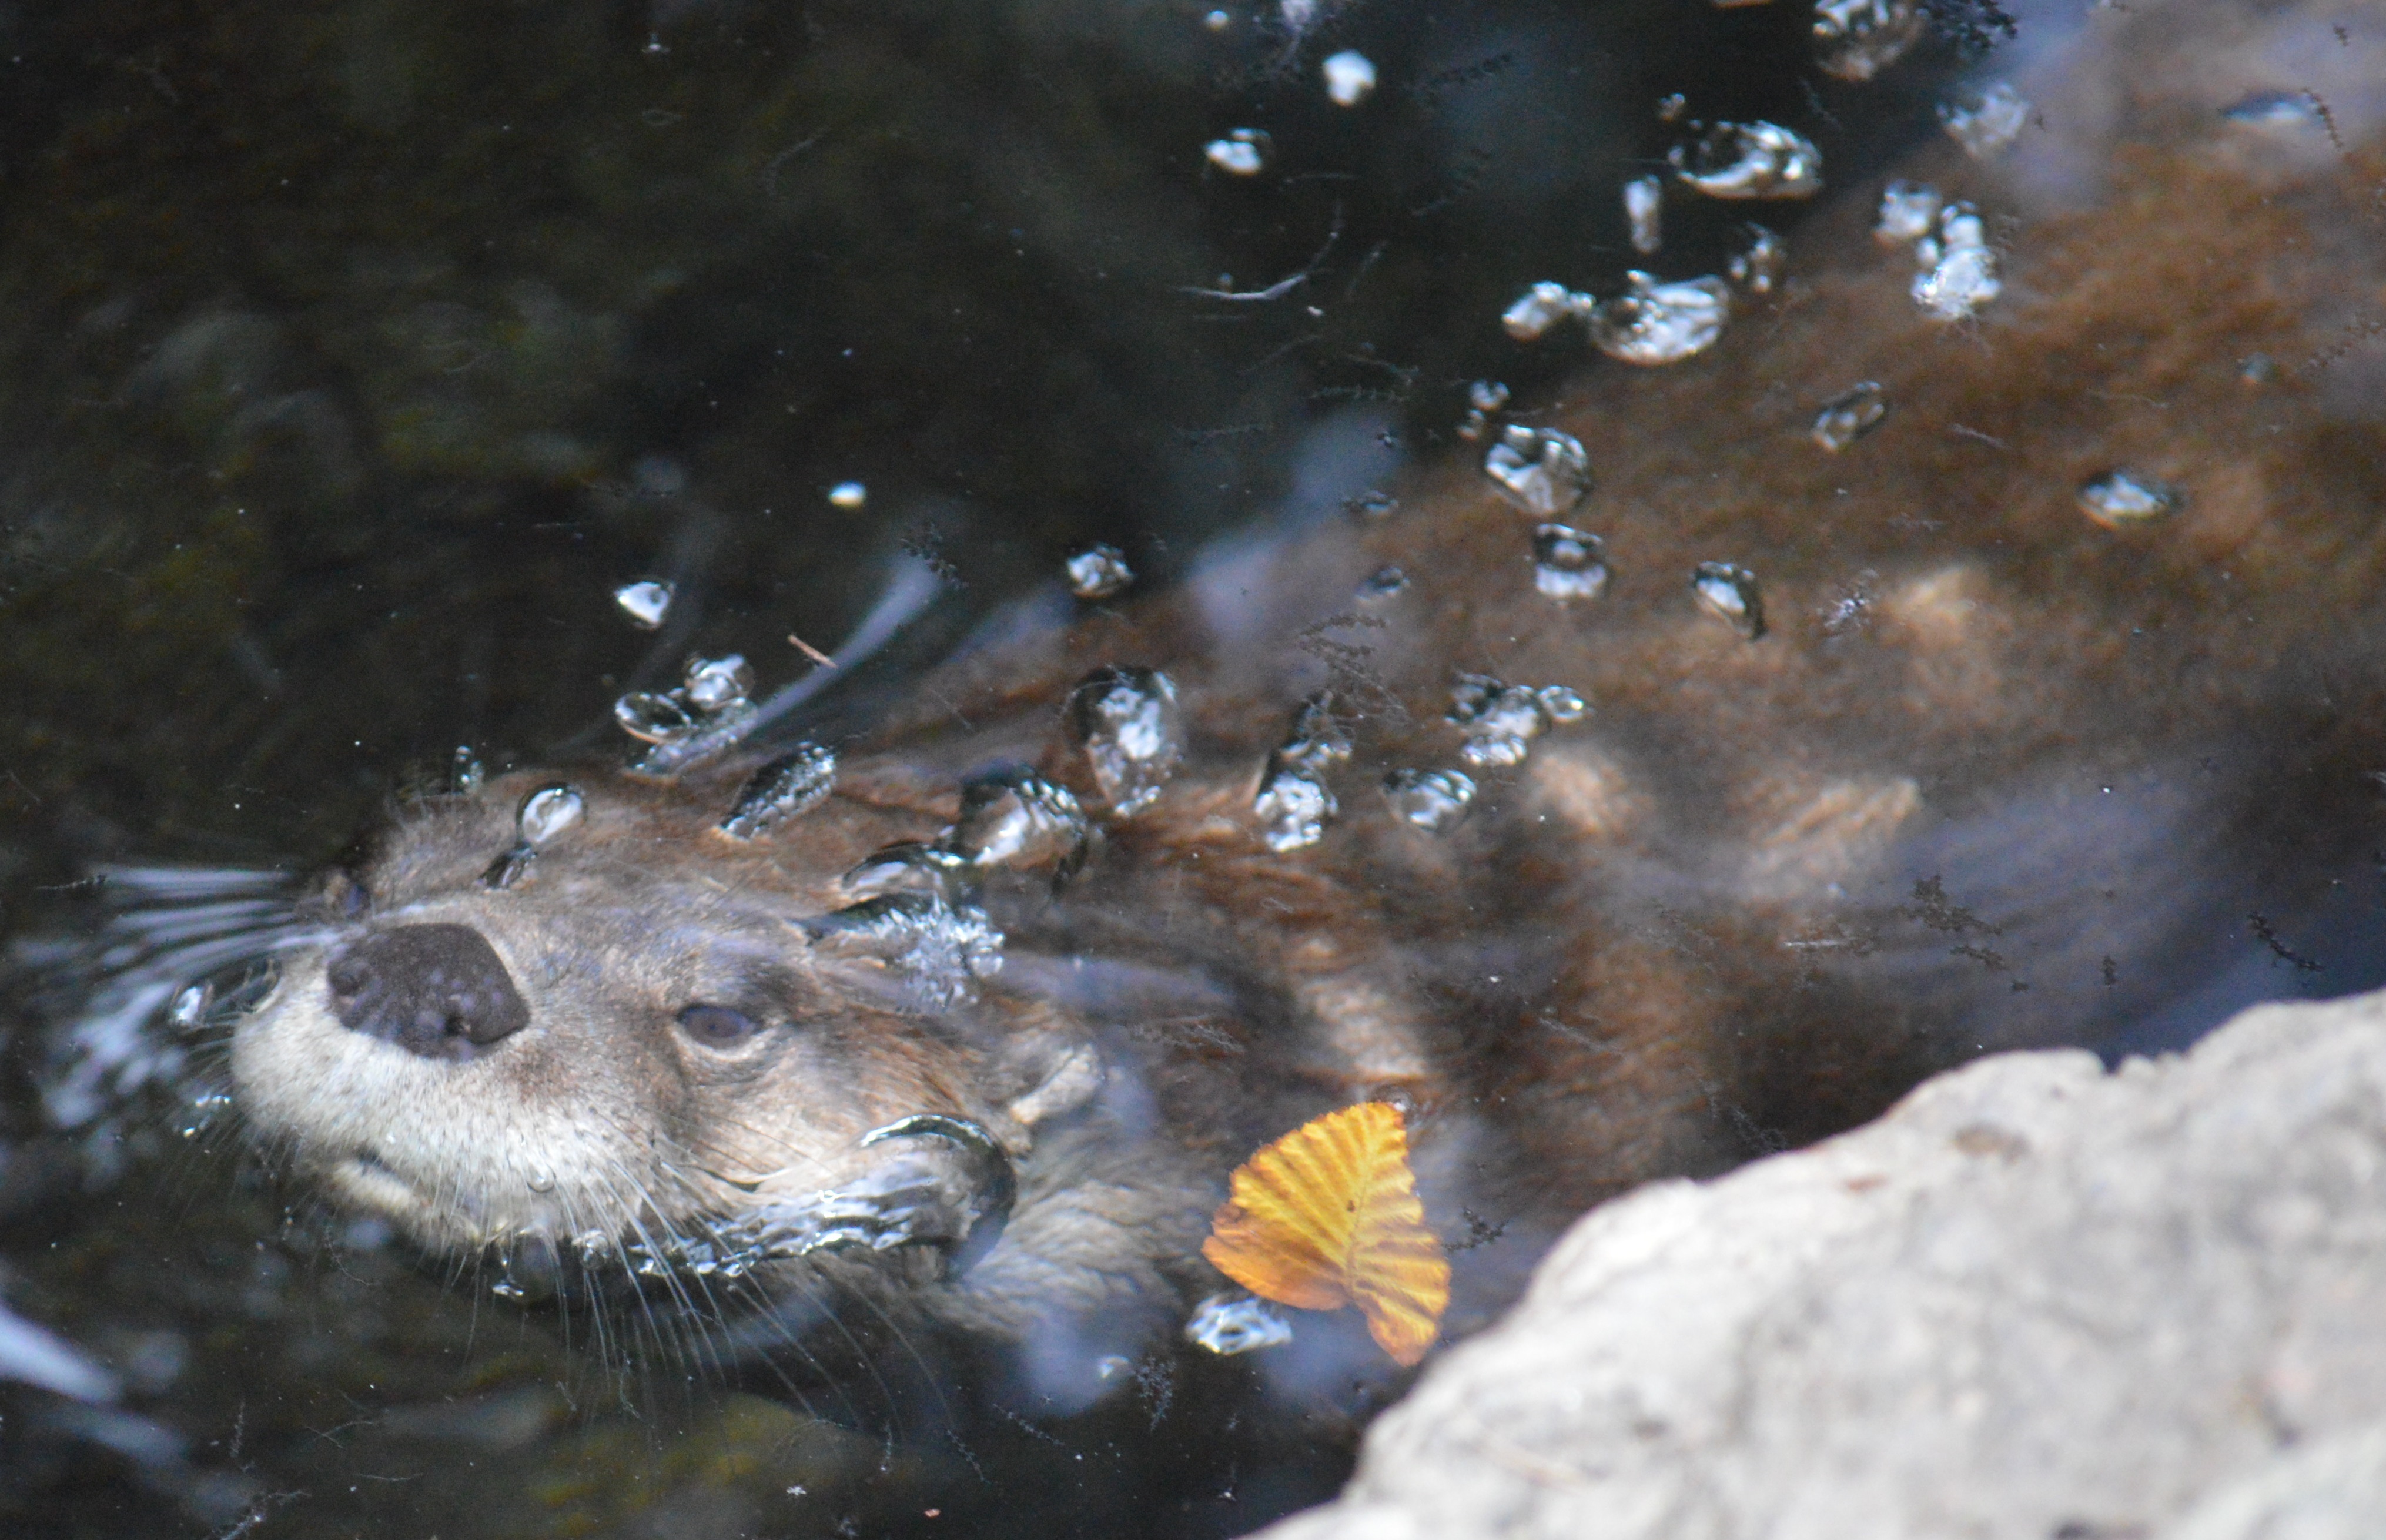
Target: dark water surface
355 351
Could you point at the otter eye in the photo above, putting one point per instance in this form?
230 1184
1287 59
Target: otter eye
717 1026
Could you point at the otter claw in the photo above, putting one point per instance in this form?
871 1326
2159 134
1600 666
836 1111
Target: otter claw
917 1197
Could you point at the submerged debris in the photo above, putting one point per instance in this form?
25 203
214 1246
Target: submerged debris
1567 563
1987 125
1540 470
1749 160
1129 724
1099 573
1849 415
1432 800
1729 594
1661 324
646 603
2121 498
1856 40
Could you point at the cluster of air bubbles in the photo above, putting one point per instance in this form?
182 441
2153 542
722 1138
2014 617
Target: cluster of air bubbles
1432 800
1543 306
1349 77
1729 594
1098 573
1131 732
1243 152
543 816
1543 471
1643 198
1651 322
1012 817
939 949
1568 563
1294 804
2121 498
789 787
1856 40
1654 323
1501 720
1231 1323
1383 583
1909 210
645 602
1372 503
1759 266
706 715
1485 399
1748 160
1988 123
848 494
1849 415
1959 271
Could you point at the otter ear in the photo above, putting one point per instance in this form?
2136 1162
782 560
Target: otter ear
942 1181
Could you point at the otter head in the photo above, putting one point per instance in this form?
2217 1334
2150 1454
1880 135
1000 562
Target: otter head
592 1014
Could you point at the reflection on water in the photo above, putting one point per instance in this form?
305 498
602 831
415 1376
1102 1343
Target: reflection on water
1101 441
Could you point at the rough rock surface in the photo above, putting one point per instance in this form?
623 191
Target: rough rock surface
2035 1299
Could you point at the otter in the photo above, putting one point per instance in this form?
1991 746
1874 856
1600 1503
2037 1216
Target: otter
1857 760
1623 823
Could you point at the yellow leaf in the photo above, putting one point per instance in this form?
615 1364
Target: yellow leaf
1328 1216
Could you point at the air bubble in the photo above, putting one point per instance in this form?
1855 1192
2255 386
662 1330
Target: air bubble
1231 1323
1988 124
1856 40
1349 77
1317 740
787 788
1484 400
1012 817
714 684
939 950
1432 800
645 602
1749 160
1099 573
1243 152
1567 563
1642 201
464 771
1661 324
1128 723
1500 720
1760 267
1959 271
2121 498
1543 306
547 812
1561 705
1383 584
848 494
1849 415
1542 470
1729 594
1372 503
911 867
1908 211
653 719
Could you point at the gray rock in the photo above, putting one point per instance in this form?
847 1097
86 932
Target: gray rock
2034 1300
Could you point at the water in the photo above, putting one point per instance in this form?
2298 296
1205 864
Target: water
388 378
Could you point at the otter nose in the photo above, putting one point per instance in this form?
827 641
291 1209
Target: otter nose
440 991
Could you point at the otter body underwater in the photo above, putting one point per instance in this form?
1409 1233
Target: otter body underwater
967 1031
